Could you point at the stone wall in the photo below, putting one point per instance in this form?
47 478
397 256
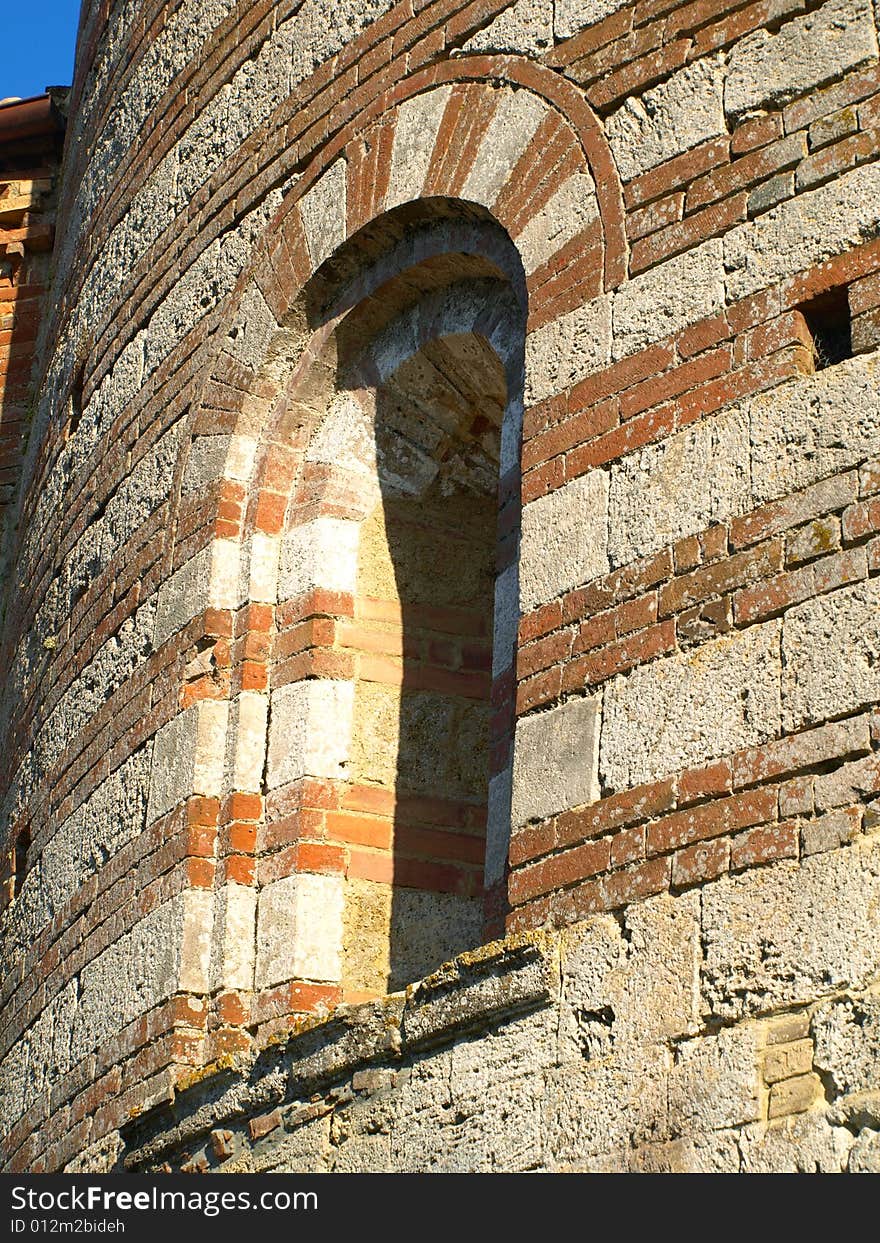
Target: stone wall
659 221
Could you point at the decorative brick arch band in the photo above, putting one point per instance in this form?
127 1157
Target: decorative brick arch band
501 142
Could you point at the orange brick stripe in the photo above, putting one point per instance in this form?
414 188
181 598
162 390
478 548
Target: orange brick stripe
728 576
730 814
755 344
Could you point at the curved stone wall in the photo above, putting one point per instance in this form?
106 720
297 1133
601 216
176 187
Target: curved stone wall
660 223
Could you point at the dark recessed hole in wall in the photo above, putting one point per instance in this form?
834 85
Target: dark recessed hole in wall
76 400
22 846
828 320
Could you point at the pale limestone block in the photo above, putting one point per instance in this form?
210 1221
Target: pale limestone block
669 297
322 553
252 330
568 212
804 1144
567 349
803 231
714 1081
564 538
196 938
510 131
682 112
226 575
299 929
815 426
685 709
174 755
506 619
555 758
418 120
771 69
265 556
247 739
663 492
210 750
781 936
847 1036
570 16
183 596
346 437
241 457
660 996
323 213
310 730
526 26
498 825
831 655
234 948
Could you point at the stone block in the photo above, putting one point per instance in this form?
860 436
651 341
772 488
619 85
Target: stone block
322 553
323 213
803 231
813 427
847 1036
831 655
768 69
667 298
310 731
564 538
299 930
418 120
669 119
566 214
555 759
525 27
690 481
685 709
517 116
567 349
780 936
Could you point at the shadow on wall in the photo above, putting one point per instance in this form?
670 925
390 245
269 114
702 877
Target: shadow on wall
423 732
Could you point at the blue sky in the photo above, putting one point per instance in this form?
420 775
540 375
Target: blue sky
38 38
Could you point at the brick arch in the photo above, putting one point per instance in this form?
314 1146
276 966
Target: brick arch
539 133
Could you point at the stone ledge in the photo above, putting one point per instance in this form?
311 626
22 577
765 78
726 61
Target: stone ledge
487 986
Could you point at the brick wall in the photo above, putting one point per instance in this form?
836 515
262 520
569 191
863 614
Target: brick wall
660 219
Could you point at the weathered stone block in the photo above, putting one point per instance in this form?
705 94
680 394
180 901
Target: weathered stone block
555 758
667 298
565 350
682 112
685 709
770 69
781 936
564 538
803 231
831 655
688 482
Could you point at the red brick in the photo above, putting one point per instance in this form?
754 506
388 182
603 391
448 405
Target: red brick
710 820
721 577
642 881
560 870
764 845
616 811
839 740
617 657
706 782
697 864
628 846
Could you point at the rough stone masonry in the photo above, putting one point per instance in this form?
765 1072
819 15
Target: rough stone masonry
440 602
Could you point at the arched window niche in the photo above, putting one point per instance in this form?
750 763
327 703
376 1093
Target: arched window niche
391 693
